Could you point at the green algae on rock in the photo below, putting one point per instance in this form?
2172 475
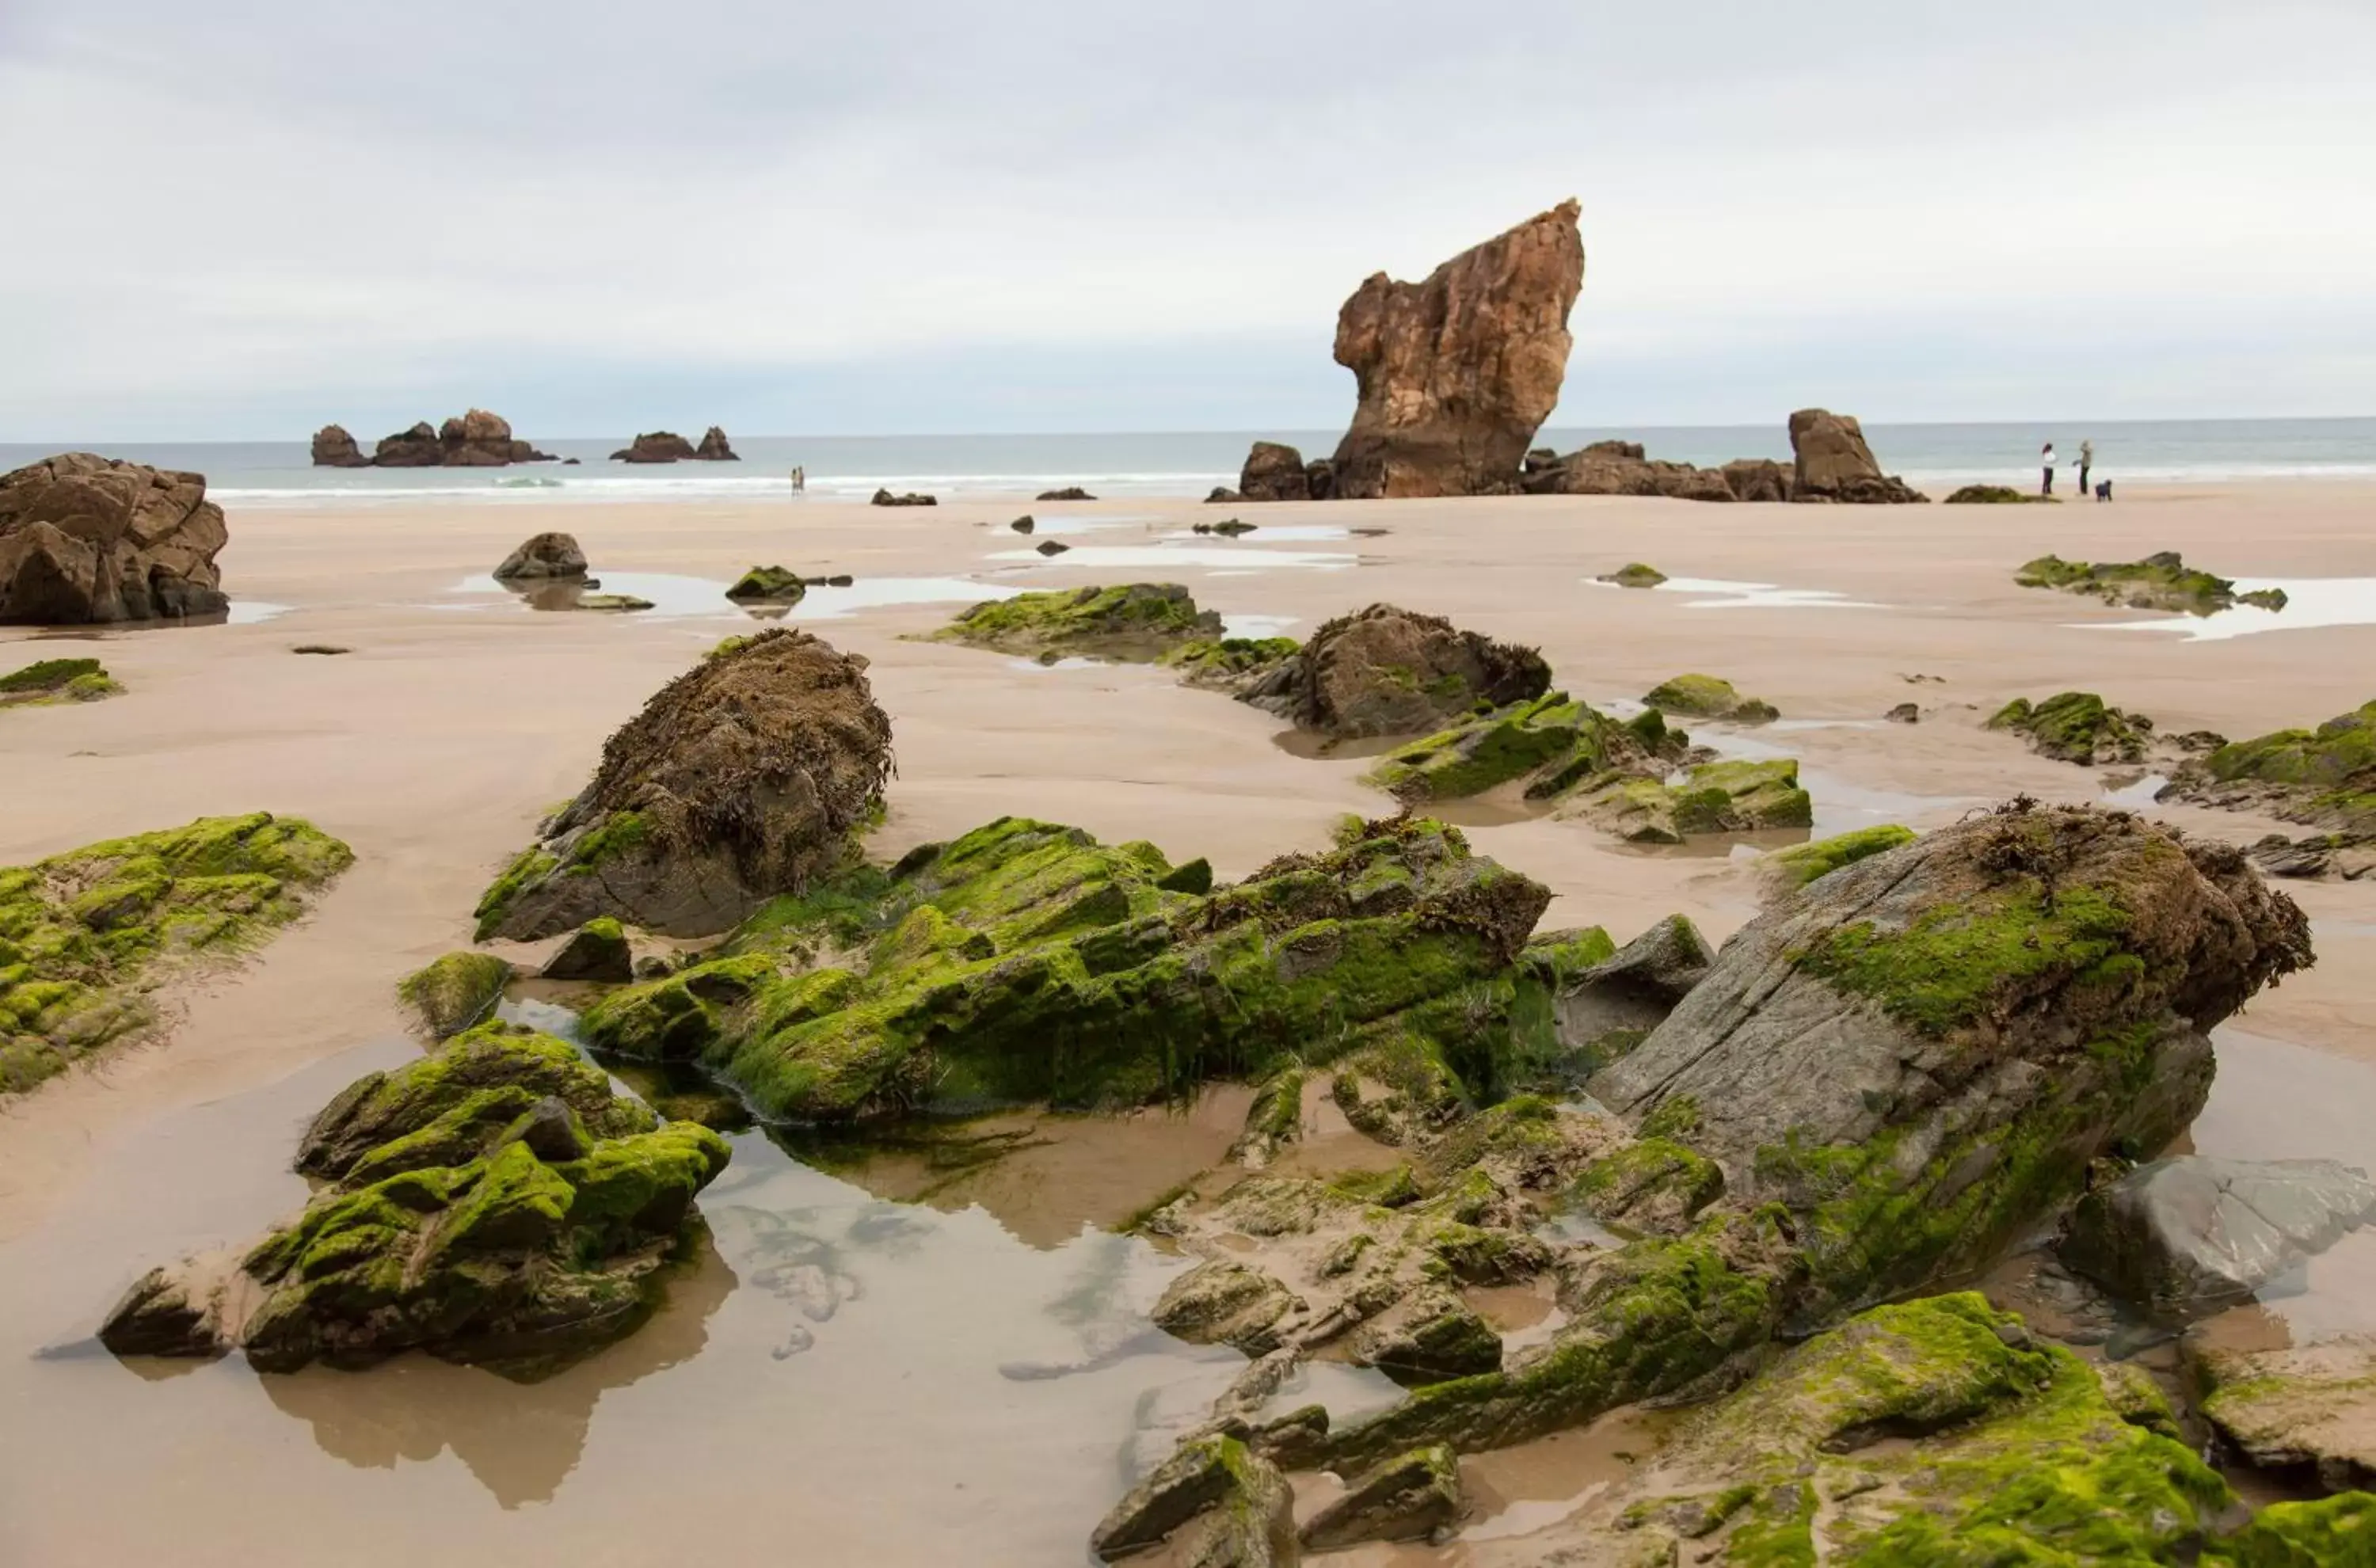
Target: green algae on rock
1550 743
2324 777
1028 962
1133 621
1996 495
493 1203
1791 868
751 775
1706 696
1714 797
2160 581
56 681
1228 664
598 950
88 936
2077 727
1634 574
770 585
449 994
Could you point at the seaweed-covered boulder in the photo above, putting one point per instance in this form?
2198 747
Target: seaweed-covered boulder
493 1203
1707 696
658 447
57 680
1228 664
1633 575
335 448
1833 463
1133 621
2324 777
1994 495
2160 581
1273 473
1549 743
1457 371
1219 1504
2077 727
1385 671
2308 1408
596 951
89 540
450 994
89 937
543 555
714 447
912 498
1788 870
1714 797
1407 1498
746 777
1027 962
767 585
2188 1237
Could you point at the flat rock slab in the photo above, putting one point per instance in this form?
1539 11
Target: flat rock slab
2192 1236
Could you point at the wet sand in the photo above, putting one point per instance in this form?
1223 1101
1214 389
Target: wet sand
893 1437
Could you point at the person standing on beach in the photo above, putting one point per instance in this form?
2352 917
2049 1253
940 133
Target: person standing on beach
2086 461
2046 457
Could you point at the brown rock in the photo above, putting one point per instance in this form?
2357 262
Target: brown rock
913 498
1070 493
1757 479
543 555
1386 671
334 448
658 447
1458 372
474 440
713 447
1835 464
87 539
1273 473
414 448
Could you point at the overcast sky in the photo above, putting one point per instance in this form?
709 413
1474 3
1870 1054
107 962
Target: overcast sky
240 222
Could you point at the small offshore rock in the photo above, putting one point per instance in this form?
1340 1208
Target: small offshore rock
885 498
1024 524
1052 547
658 447
714 447
334 448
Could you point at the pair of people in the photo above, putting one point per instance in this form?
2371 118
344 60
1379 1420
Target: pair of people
2086 461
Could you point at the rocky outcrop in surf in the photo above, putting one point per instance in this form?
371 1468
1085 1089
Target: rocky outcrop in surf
747 776
475 440
1831 462
714 447
334 448
1274 471
656 446
86 540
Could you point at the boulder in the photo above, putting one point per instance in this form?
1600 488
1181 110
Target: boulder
2188 1237
2161 581
1714 797
1436 1338
1633 575
1227 1507
1407 1498
86 540
1456 372
746 777
713 447
1134 620
1549 748
769 585
49 681
1758 479
1706 696
659 446
448 994
543 555
595 951
1994 495
1833 463
2326 777
334 448
1052 547
2077 727
1385 671
2309 1409
885 498
1273 473
1069 492
493 1203
414 448
1905 713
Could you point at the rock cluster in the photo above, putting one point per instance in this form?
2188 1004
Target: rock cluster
91 539
1069 492
2160 581
1831 463
1274 471
493 1203
2078 727
475 440
2326 777
745 777
667 446
912 498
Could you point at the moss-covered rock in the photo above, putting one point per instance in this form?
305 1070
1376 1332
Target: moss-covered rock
751 775
1387 671
1634 574
2324 777
767 585
87 937
493 1203
2077 727
1131 621
1222 1505
1706 696
1714 797
1995 495
1791 869
1228 664
1407 1498
1028 962
1543 746
2335 1532
448 994
57 680
598 950
2159 582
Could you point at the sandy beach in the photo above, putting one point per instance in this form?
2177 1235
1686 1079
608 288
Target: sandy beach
458 716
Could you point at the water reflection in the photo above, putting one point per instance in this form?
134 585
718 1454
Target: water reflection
2311 602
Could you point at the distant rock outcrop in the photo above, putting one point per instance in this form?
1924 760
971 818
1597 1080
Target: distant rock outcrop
1278 473
1458 372
1835 464
658 447
912 498
713 447
334 448
475 440
87 539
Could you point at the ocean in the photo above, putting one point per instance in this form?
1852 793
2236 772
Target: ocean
1191 463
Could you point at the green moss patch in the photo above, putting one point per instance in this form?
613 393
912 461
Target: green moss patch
1802 863
1706 696
2077 727
57 680
1133 621
451 993
2162 581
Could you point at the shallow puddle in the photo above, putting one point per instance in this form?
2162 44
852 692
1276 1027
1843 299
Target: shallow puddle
1313 746
2132 791
1280 533
1164 556
675 597
2311 603
1722 593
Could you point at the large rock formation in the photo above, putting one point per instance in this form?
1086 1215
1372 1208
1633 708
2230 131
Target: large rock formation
1458 372
1834 463
334 448
474 440
1274 471
659 446
1386 671
746 777
493 1203
86 538
713 447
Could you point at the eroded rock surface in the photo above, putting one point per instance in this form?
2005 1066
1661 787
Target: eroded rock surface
335 448
1833 463
658 447
475 440
89 540
2190 1236
2306 1409
543 555
2326 777
2077 727
1386 671
747 776
2160 581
